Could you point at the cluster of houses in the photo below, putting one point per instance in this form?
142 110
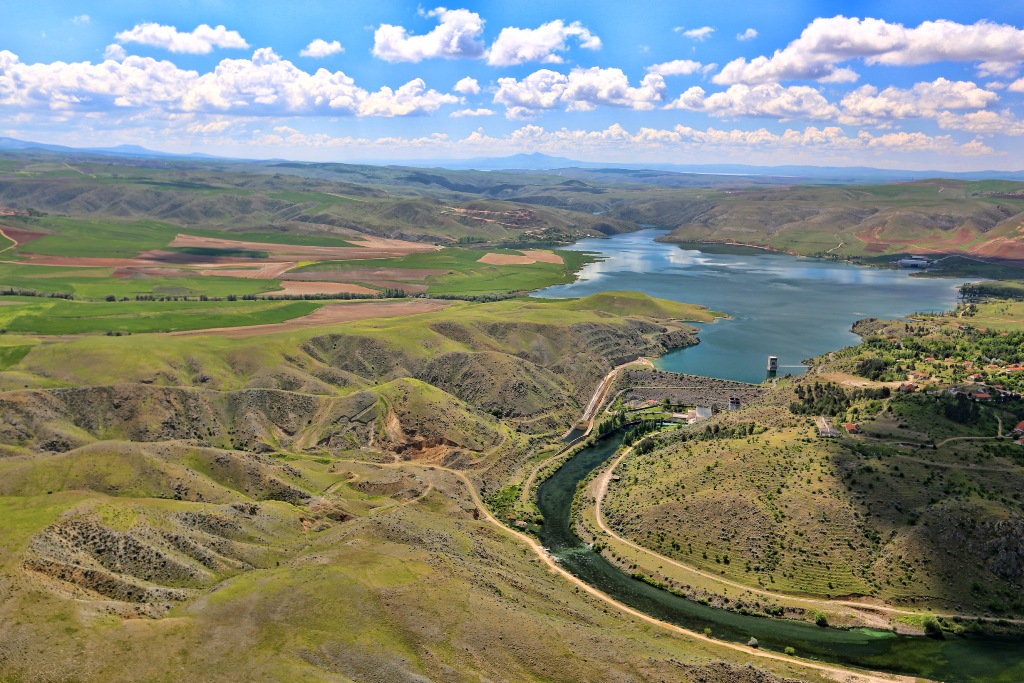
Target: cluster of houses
984 392
1018 432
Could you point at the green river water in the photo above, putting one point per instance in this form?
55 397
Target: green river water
967 659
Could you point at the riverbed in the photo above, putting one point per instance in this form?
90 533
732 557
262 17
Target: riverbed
779 305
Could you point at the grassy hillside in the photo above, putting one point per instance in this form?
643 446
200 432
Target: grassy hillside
530 363
638 303
349 570
921 506
279 507
870 223
104 195
55 316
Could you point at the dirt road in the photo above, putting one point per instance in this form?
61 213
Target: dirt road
863 610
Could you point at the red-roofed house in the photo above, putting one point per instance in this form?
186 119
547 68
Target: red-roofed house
1020 427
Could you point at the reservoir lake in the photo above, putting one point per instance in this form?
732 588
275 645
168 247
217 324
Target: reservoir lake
793 308
779 305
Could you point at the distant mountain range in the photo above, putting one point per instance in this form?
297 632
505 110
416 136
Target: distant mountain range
544 162
13 144
539 161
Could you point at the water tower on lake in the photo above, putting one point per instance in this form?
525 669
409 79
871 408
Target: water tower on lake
773 363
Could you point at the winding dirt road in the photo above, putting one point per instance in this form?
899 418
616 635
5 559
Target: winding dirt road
587 418
835 672
862 609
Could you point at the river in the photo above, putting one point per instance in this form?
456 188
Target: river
779 305
789 307
956 659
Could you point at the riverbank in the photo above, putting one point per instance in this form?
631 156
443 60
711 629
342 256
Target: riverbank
953 659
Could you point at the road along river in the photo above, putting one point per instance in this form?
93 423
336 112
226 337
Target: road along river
966 659
784 306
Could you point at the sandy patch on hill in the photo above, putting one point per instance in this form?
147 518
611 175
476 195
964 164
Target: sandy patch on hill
365 247
528 257
293 287
364 274
506 260
544 256
270 271
331 314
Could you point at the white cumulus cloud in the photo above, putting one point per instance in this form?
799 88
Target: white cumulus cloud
677 67
81 19
983 122
319 48
467 86
541 44
581 90
413 98
471 112
265 85
869 105
771 100
827 42
749 34
115 52
457 35
699 34
200 41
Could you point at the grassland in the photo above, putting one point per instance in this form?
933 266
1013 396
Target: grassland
637 303
276 508
99 238
99 283
386 575
58 317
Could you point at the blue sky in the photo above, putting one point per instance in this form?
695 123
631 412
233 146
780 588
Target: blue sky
904 85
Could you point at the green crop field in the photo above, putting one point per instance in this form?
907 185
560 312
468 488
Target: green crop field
99 238
321 200
317 240
97 283
74 317
465 274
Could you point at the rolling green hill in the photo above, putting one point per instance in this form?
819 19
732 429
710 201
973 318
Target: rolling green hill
282 506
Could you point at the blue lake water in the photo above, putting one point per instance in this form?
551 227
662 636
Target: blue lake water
779 305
